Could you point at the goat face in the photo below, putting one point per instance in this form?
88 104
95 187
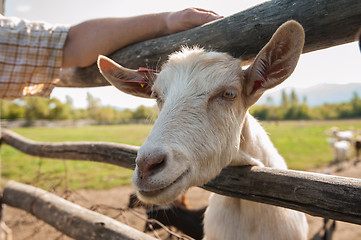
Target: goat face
195 134
203 99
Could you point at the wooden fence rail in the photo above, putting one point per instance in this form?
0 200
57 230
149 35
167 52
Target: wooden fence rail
321 195
327 23
70 219
113 153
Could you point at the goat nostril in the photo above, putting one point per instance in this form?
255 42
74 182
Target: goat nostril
151 164
157 165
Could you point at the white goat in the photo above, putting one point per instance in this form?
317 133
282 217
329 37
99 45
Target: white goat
204 126
345 135
341 149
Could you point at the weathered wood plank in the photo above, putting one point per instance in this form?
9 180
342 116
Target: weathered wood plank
327 23
322 195
69 218
113 153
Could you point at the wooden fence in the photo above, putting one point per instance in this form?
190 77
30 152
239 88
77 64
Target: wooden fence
327 23
67 217
321 195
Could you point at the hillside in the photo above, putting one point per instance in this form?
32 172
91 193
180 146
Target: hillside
318 94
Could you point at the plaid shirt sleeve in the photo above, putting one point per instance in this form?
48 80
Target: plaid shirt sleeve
30 57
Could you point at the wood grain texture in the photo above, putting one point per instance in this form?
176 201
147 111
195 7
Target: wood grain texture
112 153
321 195
71 219
327 23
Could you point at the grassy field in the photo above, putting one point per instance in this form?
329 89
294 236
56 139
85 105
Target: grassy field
303 145
51 173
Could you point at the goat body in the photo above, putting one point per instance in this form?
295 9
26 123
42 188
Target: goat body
341 150
204 126
343 135
341 145
176 214
358 146
189 221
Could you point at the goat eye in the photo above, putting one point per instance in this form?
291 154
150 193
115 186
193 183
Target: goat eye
155 95
229 94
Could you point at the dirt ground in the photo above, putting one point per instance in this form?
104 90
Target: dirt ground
25 226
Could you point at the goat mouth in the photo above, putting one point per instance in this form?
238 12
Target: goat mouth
156 192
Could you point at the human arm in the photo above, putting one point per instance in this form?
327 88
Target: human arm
87 40
32 53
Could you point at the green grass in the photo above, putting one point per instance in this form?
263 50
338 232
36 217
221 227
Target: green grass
53 173
303 145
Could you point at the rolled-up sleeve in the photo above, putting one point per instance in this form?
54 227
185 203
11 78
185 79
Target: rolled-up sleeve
30 57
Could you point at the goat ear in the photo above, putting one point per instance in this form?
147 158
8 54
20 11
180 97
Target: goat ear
137 83
276 61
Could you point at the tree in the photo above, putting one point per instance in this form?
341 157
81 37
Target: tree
107 115
59 110
260 112
93 106
304 111
294 99
356 105
139 113
69 101
36 108
269 101
125 115
11 110
142 112
284 100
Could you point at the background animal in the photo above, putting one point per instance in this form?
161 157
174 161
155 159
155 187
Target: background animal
188 221
358 146
345 135
177 214
341 149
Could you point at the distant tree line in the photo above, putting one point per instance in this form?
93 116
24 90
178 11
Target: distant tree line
36 108
291 108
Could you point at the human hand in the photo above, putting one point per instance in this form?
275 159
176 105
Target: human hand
189 18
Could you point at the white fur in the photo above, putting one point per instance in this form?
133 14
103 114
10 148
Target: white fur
341 149
346 135
242 219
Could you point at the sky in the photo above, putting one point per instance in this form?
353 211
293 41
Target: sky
339 65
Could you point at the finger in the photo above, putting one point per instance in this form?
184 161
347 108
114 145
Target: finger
207 11
197 17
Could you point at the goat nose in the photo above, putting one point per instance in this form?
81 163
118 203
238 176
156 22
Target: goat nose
151 164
